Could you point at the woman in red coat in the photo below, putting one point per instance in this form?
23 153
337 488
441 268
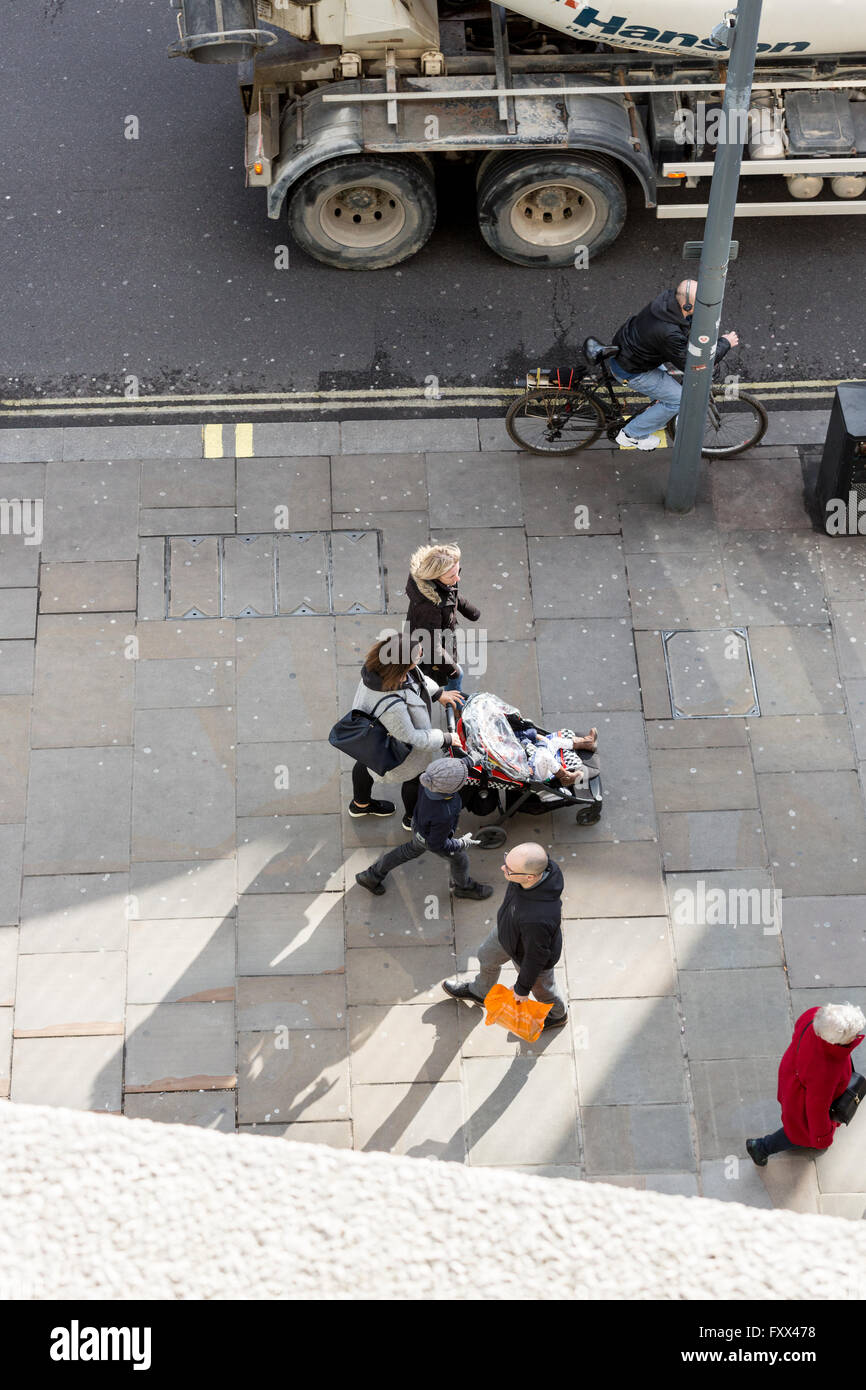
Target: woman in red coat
815 1070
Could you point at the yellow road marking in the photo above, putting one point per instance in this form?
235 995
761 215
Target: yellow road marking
212 441
243 441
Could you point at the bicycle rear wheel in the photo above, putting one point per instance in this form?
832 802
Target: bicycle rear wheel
550 421
734 424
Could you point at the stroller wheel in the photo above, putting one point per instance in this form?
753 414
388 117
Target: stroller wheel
491 836
589 815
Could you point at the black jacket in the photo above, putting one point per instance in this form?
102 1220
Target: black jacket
436 819
433 609
657 334
528 926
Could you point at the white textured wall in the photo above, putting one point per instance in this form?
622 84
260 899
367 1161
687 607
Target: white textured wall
102 1207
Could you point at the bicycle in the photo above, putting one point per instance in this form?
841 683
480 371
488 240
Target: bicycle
554 418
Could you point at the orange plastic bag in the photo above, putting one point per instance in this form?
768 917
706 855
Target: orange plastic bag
524 1017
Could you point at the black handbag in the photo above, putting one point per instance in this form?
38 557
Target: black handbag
363 737
844 1107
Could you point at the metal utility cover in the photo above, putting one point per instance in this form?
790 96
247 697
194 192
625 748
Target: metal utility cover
710 674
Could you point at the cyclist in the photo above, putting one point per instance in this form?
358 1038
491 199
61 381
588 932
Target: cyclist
646 341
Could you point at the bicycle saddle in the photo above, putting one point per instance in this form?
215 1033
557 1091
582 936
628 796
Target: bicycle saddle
596 352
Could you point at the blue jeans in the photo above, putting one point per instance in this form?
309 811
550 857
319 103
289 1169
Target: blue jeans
664 392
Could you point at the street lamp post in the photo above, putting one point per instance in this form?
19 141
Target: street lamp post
742 27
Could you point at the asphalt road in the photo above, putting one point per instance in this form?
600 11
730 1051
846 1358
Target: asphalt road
149 256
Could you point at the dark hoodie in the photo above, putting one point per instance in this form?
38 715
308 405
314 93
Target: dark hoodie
657 334
528 926
436 817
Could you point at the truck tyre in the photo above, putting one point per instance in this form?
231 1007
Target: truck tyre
539 209
363 212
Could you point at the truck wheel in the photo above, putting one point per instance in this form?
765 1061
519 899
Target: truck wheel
539 209
363 212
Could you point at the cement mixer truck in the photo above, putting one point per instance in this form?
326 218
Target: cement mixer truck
355 110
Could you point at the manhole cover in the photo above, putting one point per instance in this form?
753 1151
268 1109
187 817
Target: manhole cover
710 674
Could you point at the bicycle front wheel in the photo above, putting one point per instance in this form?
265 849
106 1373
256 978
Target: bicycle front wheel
550 421
734 424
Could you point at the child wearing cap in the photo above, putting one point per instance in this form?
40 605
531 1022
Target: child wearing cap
434 823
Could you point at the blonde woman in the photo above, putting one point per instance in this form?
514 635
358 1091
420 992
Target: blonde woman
434 602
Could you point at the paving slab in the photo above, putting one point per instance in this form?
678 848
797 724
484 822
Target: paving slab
307 1079
697 733
628 1051
190 961
583 574
17 613
401 1043
356 579
14 756
824 942
36 445
795 670
193 576
5 1052
735 1100
278 779
621 880
520 1110
851 1206
849 621
249 580
183 888
19 550
419 1119
724 920
183 784
495 578
70 994
802 742
104 586
628 812
648 530
678 590
91 510
774 577
74 912
574 496
278 1002
789 1181
208 1109
618 957
401 534
776 503
283 493
654 690
735 1012
290 934
16 667
78 1073
386 482
510 670
840 1168
797 427
736 1179
151 579
180 1047
186 521
404 975
188 482
83 690
132 442
600 651
11 852
815 830
172 641
474 490
641 1138
721 779
184 683
356 634
694 840
843 562
8 965
814 997
78 811
285 674
414 911
336 1134
295 854
855 700
392 436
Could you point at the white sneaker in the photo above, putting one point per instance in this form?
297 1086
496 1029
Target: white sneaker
646 445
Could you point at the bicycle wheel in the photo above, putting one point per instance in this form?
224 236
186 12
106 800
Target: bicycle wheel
549 421
734 424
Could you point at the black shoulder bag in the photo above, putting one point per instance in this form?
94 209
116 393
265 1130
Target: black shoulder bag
844 1107
363 737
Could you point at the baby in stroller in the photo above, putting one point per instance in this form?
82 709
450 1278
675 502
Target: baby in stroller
497 737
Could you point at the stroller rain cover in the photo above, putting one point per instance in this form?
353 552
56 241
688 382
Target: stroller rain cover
490 739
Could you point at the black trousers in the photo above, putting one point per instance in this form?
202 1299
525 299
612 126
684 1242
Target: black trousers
362 788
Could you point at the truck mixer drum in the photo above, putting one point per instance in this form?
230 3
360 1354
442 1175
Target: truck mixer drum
219 31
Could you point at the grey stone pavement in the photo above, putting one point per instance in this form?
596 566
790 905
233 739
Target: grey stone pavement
182 938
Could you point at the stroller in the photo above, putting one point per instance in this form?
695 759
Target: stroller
501 779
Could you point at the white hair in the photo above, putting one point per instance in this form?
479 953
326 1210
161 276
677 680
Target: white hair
839 1023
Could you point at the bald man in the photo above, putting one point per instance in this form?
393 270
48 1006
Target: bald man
646 341
527 932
